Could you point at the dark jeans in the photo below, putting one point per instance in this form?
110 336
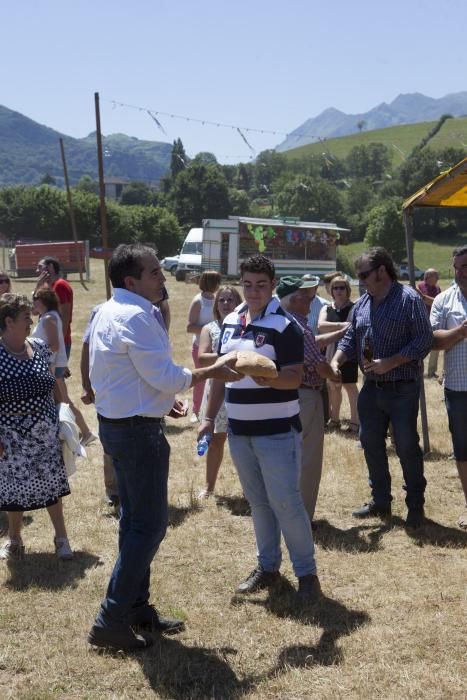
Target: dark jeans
140 454
395 403
456 405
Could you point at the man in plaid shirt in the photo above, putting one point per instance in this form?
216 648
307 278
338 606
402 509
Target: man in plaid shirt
389 336
449 321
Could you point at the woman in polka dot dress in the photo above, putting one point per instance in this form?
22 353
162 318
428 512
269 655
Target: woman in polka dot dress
32 473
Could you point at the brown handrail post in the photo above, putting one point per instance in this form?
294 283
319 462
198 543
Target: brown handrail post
408 226
72 213
103 208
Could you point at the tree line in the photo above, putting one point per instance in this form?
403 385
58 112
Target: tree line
362 192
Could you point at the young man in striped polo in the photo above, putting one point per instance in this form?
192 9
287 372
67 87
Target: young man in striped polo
265 431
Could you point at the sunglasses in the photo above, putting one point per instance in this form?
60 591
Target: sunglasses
366 273
4 280
340 288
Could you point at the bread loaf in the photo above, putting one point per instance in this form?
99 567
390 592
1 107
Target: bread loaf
255 365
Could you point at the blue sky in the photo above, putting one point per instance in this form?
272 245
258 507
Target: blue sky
259 64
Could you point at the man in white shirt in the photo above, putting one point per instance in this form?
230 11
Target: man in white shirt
448 318
134 381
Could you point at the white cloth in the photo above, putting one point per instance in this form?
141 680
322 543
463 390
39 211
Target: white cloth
130 359
69 437
205 313
316 305
59 358
449 310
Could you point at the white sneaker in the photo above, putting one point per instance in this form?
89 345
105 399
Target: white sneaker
89 439
205 493
62 548
12 550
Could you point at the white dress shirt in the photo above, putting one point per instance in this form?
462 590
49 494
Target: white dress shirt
130 360
449 310
316 305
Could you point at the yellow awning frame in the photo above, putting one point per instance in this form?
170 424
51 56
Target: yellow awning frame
449 189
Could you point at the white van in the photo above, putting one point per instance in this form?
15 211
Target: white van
190 254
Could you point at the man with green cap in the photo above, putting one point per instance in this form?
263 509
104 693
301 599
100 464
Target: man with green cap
295 295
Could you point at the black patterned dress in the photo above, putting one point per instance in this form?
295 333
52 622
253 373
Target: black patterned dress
32 473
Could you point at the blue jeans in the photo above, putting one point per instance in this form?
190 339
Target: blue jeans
397 403
456 406
140 454
269 470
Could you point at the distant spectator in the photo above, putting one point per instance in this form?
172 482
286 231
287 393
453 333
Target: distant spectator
337 316
5 283
428 290
49 276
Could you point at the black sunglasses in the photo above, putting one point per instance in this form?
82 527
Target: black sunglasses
342 288
366 273
5 280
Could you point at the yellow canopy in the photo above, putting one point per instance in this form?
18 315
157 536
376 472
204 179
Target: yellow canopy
449 189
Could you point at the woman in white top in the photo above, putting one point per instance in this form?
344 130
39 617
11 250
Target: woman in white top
201 313
45 304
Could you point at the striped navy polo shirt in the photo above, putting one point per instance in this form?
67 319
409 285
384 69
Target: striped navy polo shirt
254 409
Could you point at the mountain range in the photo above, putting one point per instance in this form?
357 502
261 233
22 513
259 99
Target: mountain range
29 150
404 109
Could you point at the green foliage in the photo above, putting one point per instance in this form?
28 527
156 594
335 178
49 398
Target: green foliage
178 158
431 134
41 213
310 199
137 193
385 228
239 202
199 192
368 161
87 184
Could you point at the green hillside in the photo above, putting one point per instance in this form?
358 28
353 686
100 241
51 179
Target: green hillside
399 139
28 150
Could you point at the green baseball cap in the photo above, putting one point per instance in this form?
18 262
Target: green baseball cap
291 284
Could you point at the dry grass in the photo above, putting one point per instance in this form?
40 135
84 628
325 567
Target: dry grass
392 624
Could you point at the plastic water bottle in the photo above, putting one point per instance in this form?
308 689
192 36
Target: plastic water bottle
203 444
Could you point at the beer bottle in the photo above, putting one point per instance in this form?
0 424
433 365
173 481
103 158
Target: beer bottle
367 350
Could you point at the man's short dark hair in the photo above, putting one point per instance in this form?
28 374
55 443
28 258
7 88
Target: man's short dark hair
49 260
460 250
258 264
376 257
128 261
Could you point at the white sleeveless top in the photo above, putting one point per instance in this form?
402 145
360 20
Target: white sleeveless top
59 358
205 313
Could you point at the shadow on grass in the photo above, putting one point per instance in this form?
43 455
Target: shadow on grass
178 514
176 429
192 673
44 571
436 456
352 540
238 505
333 617
434 533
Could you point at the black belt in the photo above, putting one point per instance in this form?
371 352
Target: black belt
131 420
381 383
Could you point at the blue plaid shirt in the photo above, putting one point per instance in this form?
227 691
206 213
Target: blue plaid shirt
397 326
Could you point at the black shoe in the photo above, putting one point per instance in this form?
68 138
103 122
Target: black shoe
309 588
113 501
147 617
415 518
370 509
125 638
257 580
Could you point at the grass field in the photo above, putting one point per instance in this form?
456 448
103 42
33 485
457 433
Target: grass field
426 254
391 624
399 139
